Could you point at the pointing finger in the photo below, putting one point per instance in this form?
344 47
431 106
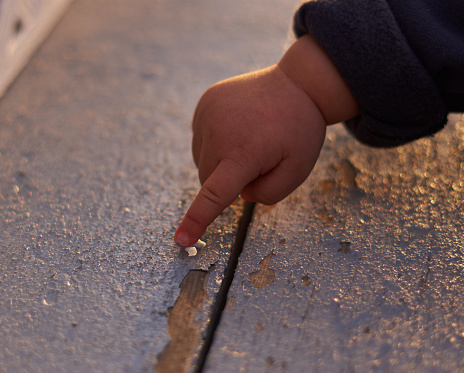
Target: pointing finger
219 191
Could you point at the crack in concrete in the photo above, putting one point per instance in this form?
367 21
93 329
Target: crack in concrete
221 299
177 355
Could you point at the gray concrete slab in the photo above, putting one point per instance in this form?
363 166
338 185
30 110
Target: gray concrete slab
360 270
96 173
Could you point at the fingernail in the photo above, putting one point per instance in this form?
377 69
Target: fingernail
246 197
182 238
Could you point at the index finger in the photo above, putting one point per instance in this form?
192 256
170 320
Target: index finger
221 188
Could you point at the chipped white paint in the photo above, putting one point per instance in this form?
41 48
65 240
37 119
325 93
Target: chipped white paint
193 250
200 244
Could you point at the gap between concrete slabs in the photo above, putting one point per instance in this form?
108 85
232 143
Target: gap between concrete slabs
177 354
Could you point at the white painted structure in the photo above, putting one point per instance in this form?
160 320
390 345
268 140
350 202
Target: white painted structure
24 24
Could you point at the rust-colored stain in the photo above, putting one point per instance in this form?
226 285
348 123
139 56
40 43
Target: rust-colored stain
323 215
230 302
185 334
326 186
348 174
344 247
307 280
265 276
270 361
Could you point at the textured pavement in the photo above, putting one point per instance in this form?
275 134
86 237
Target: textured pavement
358 270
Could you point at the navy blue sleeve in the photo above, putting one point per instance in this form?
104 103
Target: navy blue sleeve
403 61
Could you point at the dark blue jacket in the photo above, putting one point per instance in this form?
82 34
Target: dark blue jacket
402 59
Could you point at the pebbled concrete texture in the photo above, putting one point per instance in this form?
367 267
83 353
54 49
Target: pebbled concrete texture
96 173
360 269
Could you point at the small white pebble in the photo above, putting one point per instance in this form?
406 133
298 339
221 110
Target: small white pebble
200 244
192 250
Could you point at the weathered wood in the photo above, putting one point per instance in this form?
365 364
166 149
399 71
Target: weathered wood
23 26
361 267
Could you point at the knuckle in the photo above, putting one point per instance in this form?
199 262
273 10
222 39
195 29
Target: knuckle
211 195
193 219
244 159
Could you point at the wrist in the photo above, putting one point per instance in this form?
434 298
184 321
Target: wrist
310 68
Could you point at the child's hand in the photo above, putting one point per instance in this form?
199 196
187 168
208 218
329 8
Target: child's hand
258 135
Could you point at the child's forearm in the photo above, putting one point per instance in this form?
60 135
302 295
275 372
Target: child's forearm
308 66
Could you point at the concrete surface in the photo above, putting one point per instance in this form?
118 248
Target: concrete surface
359 270
96 173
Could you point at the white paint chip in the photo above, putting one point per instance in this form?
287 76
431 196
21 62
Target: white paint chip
200 244
192 250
